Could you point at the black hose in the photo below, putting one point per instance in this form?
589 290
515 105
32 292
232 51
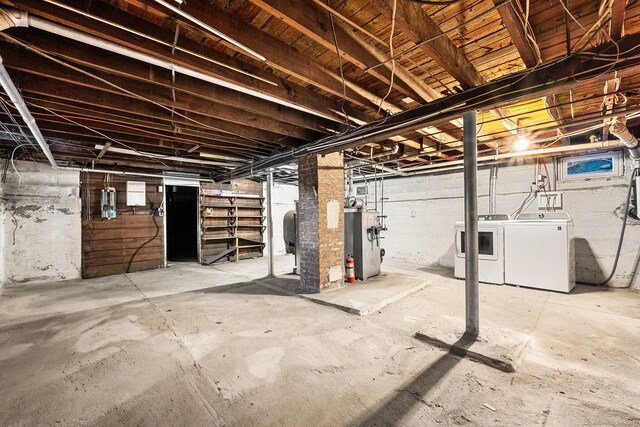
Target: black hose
622 230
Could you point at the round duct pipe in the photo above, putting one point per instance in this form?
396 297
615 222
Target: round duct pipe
619 129
353 203
12 18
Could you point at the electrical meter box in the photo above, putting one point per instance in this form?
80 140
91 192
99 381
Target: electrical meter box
136 193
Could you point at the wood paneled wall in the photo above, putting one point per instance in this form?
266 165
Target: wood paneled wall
133 241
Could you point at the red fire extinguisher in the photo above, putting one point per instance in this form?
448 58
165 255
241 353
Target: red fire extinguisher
350 268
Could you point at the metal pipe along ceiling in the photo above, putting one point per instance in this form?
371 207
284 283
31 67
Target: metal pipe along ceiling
16 98
557 75
17 18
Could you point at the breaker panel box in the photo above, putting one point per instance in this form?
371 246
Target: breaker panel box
136 193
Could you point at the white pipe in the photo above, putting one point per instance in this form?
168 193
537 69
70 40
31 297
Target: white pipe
378 166
619 129
493 178
457 164
156 40
540 151
211 29
149 175
26 20
270 222
16 98
170 158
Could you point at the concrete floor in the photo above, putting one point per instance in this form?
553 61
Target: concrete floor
194 345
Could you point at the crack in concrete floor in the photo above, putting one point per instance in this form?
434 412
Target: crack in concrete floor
216 350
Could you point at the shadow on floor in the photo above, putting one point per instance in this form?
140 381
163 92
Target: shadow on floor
588 267
587 279
399 405
634 272
438 270
48 324
283 286
587 289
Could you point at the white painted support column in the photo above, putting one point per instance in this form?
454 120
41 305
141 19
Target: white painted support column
270 222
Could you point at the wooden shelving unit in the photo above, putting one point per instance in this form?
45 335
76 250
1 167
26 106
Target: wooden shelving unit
232 226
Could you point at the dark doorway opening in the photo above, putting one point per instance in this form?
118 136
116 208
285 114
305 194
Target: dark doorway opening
182 223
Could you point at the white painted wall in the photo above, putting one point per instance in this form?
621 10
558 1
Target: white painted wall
42 207
422 211
284 198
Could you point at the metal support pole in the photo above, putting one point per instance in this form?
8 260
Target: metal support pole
270 220
471 222
493 178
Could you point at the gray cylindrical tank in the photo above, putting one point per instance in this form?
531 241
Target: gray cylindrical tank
289 231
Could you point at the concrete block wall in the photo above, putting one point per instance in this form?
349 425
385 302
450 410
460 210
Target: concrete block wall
40 217
321 221
422 211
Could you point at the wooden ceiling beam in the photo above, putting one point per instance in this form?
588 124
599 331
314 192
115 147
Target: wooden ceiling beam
59 128
69 92
136 70
616 26
416 24
81 157
28 62
76 138
140 139
283 89
119 119
316 24
47 84
577 70
279 54
162 121
512 21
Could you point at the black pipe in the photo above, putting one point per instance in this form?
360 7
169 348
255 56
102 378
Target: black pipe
557 75
622 230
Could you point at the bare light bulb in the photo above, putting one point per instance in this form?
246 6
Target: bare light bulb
521 144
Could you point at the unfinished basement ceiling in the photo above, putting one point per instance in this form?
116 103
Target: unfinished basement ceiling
233 82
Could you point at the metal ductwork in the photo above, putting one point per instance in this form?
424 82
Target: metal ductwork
351 201
618 128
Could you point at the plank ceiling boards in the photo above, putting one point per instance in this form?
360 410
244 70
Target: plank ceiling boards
83 97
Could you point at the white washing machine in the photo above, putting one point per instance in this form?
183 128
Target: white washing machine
539 251
490 248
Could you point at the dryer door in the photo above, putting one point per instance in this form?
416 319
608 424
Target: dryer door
488 245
